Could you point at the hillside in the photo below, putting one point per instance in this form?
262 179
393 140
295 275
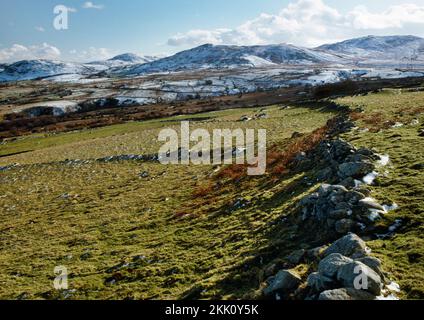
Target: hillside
126 229
373 49
406 52
220 56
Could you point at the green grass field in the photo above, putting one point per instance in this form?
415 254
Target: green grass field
123 236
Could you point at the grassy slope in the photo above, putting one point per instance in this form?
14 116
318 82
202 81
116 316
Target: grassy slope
403 254
204 245
93 217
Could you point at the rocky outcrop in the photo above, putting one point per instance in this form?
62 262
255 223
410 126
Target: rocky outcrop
343 203
338 162
336 209
346 271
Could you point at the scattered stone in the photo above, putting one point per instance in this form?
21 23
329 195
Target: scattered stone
144 174
418 166
296 135
86 256
284 282
345 294
262 115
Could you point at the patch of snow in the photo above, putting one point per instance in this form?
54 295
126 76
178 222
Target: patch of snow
390 297
258 62
394 287
358 183
370 178
374 214
391 207
397 125
384 160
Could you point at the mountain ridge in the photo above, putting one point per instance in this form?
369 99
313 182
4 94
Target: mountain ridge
378 50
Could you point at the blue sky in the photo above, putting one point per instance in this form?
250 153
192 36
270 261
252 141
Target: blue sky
108 27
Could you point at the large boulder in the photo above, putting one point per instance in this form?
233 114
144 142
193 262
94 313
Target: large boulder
319 283
357 274
329 266
355 169
345 294
350 246
373 263
284 282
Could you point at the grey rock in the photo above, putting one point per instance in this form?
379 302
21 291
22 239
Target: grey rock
350 246
345 294
325 174
296 257
370 204
373 263
340 214
349 273
327 189
355 169
315 252
329 266
319 283
285 282
344 226
144 174
296 135
354 196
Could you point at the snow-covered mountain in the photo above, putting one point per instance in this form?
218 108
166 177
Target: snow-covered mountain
124 60
391 51
219 56
383 49
37 69
34 69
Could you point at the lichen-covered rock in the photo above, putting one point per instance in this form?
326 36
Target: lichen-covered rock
345 294
356 274
318 283
350 246
355 169
284 282
373 263
329 266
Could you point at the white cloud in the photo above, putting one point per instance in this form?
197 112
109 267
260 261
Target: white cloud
91 54
91 5
19 52
40 29
45 51
70 9
311 23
